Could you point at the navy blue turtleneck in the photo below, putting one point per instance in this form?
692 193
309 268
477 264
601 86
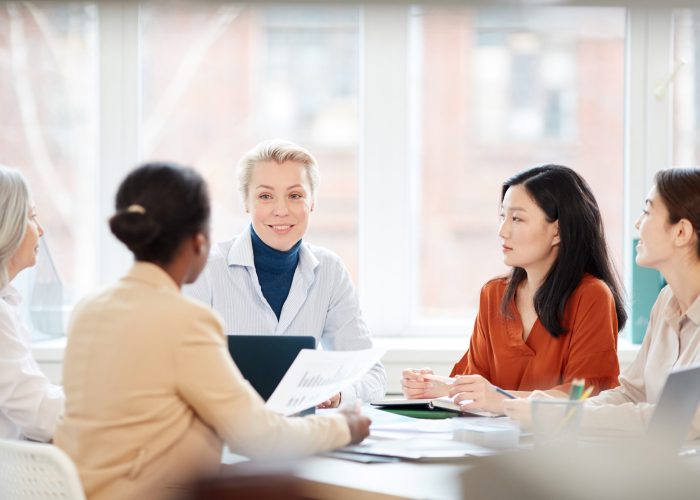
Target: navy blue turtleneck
275 270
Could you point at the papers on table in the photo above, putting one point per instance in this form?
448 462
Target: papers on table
391 426
420 448
407 438
317 375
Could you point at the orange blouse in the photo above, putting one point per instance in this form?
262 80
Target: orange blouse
588 350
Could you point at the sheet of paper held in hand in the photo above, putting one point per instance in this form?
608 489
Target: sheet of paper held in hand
317 375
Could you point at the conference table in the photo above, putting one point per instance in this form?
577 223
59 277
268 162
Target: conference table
325 477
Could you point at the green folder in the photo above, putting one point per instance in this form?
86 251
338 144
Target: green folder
425 414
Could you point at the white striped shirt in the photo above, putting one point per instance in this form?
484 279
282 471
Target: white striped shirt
322 302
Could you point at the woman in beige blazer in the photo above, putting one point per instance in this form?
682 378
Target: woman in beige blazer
151 391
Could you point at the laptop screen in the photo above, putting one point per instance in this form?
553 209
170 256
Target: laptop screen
675 410
264 359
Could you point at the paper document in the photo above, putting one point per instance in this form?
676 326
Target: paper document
420 448
315 376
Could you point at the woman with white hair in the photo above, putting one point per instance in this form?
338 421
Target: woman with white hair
268 281
30 405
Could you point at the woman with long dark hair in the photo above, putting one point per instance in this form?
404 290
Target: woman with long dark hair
556 316
669 241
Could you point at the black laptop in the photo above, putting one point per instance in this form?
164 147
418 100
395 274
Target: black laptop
264 359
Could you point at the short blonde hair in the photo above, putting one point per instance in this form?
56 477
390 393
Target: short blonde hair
279 151
15 201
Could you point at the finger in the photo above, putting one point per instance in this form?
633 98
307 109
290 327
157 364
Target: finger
421 395
510 405
516 411
414 393
414 374
466 381
539 395
471 391
414 384
474 405
457 388
464 396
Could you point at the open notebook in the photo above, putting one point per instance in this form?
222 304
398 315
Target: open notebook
443 403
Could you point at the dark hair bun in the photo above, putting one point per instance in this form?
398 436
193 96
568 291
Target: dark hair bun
136 230
159 204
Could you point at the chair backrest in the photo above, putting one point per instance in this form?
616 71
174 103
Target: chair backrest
34 471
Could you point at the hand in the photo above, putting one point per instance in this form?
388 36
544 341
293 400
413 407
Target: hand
333 402
479 390
357 423
414 386
521 409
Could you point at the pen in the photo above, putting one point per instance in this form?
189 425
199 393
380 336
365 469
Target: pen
586 393
501 391
576 388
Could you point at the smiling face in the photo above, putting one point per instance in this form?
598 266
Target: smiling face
279 202
655 245
25 256
528 240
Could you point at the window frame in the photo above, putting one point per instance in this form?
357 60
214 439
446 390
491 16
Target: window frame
389 194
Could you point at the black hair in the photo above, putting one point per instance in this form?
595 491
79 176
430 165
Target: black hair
565 196
158 206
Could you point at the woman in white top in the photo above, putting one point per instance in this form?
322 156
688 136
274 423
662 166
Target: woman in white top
268 280
30 405
669 241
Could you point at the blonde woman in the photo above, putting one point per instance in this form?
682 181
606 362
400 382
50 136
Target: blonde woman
268 280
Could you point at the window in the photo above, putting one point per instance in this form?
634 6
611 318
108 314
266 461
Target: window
415 113
686 87
500 90
217 79
48 97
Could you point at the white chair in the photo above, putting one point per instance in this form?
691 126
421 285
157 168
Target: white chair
37 471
